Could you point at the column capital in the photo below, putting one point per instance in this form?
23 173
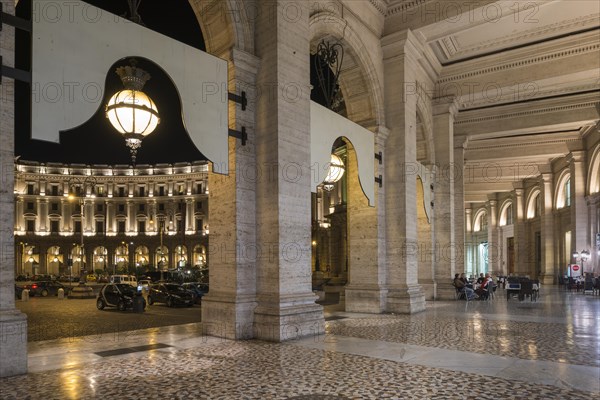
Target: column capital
401 43
576 156
381 134
460 142
468 211
445 105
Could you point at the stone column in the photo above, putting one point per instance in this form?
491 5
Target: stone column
130 224
365 291
13 323
445 267
401 54
469 257
189 215
579 210
42 217
228 308
110 217
286 304
20 214
522 248
458 180
494 244
547 232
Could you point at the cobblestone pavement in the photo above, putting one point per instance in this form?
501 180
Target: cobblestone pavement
49 318
483 350
258 370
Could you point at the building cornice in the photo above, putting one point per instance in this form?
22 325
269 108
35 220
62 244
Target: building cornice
503 112
568 47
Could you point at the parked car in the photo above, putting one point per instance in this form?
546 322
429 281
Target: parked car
118 295
198 289
45 288
90 278
38 278
128 279
171 294
21 278
142 283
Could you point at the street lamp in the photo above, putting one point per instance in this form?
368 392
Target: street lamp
334 173
583 256
80 188
131 111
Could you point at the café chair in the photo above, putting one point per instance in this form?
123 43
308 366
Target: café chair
527 290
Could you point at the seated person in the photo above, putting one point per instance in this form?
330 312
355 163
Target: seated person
486 285
480 279
461 286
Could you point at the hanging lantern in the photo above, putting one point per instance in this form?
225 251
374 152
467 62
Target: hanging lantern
335 172
131 111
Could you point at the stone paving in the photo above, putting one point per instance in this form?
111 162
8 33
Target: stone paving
259 370
526 340
148 364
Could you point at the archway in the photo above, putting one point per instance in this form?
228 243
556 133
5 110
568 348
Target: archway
54 261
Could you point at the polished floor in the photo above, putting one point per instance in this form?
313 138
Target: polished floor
499 349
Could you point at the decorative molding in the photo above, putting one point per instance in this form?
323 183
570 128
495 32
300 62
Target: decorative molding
532 143
380 5
524 62
404 6
530 34
545 110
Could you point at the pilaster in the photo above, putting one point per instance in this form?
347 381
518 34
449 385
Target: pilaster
522 248
365 291
444 112
579 210
546 275
13 323
286 304
228 308
460 230
494 244
401 56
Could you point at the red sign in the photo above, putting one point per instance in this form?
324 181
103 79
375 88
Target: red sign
575 267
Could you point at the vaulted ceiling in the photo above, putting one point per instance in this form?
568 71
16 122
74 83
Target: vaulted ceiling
526 76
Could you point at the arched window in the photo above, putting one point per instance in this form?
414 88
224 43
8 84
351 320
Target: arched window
594 172
506 216
563 191
534 204
480 223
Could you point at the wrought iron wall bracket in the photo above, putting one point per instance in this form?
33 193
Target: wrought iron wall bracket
242 135
379 157
13 73
379 179
17 22
24 25
240 99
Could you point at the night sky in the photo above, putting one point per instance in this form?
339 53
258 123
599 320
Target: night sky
96 141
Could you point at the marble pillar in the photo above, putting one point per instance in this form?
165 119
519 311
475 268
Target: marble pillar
365 291
401 54
228 308
13 323
286 304
444 112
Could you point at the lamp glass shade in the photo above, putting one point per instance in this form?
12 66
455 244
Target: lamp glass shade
132 112
336 169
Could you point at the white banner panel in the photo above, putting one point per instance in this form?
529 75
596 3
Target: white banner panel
325 127
75 44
